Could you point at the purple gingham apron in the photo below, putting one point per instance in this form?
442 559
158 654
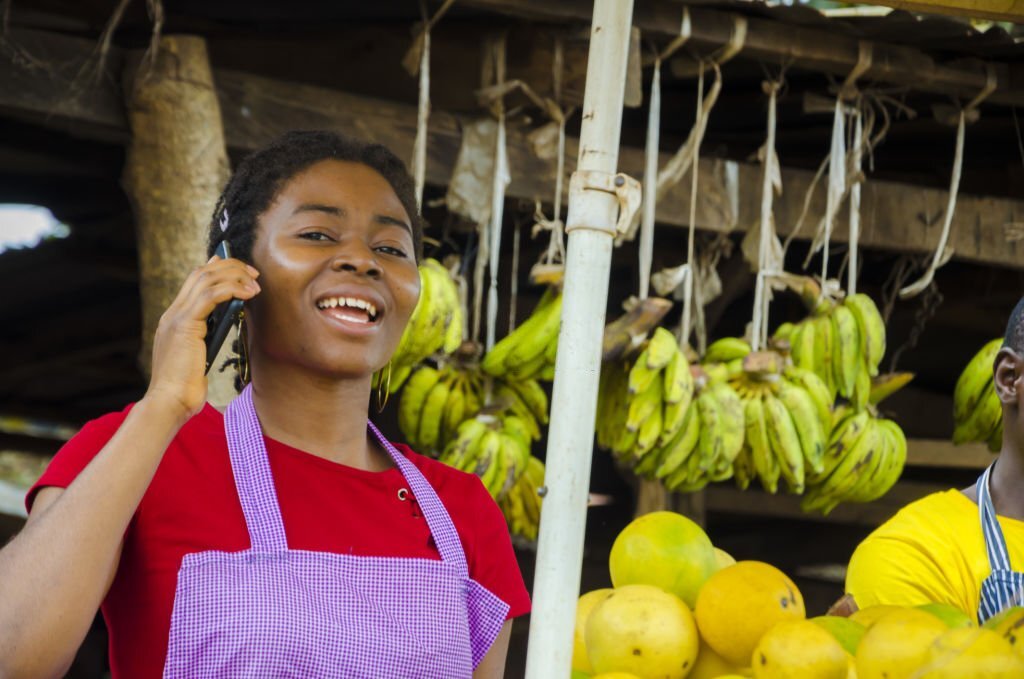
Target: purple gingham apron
271 611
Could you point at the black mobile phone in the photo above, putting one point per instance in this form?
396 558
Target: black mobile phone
219 323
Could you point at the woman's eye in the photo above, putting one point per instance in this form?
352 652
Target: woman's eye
314 235
391 250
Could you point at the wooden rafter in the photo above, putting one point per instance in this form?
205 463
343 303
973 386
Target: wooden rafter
994 10
895 216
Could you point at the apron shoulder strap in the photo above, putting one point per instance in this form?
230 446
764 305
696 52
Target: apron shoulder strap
449 546
253 478
995 543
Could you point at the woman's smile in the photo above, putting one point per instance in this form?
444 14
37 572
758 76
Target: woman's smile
336 243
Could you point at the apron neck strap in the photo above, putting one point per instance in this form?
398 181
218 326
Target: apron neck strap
258 496
995 543
253 478
449 546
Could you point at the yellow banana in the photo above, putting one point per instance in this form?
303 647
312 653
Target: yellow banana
454 411
533 395
681 445
973 383
428 430
413 398
816 389
824 343
726 349
536 343
731 419
872 329
649 432
661 349
785 443
643 405
640 375
806 420
756 442
846 350
803 347
467 436
678 381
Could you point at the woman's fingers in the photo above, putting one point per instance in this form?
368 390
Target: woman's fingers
215 282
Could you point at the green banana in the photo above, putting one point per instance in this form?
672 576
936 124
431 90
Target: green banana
808 425
816 389
428 430
785 443
756 441
726 349
414 396
973 383
681 445
678 381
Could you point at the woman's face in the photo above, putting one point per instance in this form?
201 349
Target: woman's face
337 271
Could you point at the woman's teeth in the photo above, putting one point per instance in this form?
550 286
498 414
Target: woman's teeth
349 302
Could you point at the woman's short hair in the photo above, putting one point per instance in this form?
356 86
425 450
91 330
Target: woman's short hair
261 175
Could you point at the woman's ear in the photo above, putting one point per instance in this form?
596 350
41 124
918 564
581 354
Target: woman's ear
1008 370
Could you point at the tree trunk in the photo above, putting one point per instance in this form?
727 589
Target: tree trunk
175 169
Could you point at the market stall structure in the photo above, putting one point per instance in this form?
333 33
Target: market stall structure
80 124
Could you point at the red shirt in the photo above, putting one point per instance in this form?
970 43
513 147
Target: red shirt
192 506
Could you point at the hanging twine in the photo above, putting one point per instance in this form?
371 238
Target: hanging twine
417 60
853 265
688 286
759 322
942 252
501 181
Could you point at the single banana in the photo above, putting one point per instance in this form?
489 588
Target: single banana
710 443
649 432
816 389
756 442
640 375
536 343
973 383
533 395
731 419
808 425
681 445
846 349
785 443
726 349
454 412
678 380
643 405
413 398
803 347
872 329
824 343
428 430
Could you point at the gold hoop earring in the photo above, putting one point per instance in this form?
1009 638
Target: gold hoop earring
243 351
383 387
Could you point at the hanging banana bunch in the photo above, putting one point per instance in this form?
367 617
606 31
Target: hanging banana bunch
528 352
977 412
494 447
642 405
841 342
865 454
436 401
436 324
521 505
786 417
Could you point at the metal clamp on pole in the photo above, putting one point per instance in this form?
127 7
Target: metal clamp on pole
627 193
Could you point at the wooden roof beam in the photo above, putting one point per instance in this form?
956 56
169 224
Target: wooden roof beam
778 43
894 216
998 10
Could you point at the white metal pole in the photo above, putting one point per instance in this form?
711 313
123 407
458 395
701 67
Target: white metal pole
590 225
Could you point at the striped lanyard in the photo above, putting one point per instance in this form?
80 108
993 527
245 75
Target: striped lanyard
1004 587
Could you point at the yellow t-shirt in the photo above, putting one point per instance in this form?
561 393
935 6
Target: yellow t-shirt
932 550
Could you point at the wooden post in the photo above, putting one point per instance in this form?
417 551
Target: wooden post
175 169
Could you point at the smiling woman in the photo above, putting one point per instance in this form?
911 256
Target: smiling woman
285 537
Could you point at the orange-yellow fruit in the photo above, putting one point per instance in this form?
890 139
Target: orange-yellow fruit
584 606
896 645
969 653
870 615
739 603
723 558
1010 625
799 648
644 630
666 550
710 665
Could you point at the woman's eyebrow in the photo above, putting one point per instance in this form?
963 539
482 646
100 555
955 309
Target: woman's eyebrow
338 211
332 210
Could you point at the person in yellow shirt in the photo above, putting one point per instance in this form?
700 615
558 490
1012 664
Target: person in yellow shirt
959 547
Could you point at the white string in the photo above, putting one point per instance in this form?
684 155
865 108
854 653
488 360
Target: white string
691 238
941 256
836 182
419 147
767 196
514 287
500 182
854 239
650 181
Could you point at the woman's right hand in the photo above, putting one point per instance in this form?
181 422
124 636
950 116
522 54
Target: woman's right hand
179 349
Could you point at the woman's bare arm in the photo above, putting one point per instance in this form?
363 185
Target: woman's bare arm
493 664
55 573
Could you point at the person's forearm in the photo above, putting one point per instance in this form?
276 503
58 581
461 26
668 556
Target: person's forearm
54 575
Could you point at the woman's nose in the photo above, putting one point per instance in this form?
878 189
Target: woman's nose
356 258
